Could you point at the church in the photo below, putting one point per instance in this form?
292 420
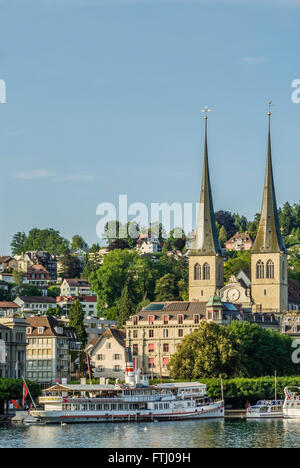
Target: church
265 289
259 296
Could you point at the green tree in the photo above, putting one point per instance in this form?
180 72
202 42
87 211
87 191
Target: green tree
222 235
54 291
18 278
18 243
241 261
126 306
208 352
70 266
49 240
76 321
263 351
78 243
166 288
54 311
27 290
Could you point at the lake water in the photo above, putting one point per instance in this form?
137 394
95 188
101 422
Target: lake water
180 434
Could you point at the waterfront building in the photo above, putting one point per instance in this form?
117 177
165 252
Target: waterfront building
108 354
155 332
47 354
13 337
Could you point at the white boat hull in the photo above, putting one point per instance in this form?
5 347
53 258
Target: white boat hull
264 416
54 417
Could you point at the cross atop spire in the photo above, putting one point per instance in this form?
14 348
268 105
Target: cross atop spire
268 237
206 240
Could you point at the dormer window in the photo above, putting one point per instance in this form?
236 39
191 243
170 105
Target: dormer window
40 330
151 319
196 319
180 319
58 330
135 320
28 330
166 319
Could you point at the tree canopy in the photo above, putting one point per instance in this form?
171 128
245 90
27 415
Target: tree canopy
240 349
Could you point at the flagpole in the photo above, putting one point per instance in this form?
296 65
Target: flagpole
29 392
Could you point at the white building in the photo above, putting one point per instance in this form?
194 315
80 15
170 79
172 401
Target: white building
38 304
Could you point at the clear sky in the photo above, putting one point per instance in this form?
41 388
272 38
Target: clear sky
104 97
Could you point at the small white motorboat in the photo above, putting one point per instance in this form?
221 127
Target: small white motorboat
266 409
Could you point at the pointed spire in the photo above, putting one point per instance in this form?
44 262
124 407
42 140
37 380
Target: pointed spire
268 237
206 240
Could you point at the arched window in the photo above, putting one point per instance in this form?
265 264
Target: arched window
197 272
270 269
260 269
206 271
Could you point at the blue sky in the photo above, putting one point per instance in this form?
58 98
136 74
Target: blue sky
104 97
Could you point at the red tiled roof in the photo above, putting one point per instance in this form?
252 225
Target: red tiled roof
9 305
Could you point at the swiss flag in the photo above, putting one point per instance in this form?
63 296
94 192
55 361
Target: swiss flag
25 393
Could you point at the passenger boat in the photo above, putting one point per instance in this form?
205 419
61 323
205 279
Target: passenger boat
266 409
133 401
291 407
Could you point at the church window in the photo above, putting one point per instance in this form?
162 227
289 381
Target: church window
197 272
270 269
206 271
260 269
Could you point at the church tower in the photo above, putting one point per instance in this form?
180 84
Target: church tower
269 273
206 264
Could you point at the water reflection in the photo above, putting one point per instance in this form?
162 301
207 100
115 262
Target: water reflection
183 434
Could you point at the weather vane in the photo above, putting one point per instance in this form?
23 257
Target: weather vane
205 111
270 104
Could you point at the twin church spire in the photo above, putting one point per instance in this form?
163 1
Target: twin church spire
206 263
268 237
206 240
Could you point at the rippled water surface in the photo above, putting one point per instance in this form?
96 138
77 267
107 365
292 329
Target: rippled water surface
184 434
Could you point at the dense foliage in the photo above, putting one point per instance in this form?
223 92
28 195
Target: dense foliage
247 389
236 350
147 280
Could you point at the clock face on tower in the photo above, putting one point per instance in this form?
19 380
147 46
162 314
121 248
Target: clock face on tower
233 295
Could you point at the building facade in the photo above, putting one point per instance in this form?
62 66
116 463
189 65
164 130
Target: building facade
154 334
13 347
47 354
108 354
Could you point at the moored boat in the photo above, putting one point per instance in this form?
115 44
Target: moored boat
291 407
133 401
266 409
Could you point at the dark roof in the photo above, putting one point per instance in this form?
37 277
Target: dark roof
294 291
173 309
119 335
77 282
38 299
